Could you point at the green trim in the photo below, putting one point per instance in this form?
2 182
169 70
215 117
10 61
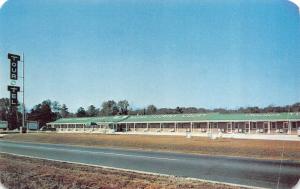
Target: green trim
90 120
209 117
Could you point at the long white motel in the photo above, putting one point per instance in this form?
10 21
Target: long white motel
258 123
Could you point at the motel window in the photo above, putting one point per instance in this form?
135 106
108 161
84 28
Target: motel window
273 125
254 126
294 125
228 126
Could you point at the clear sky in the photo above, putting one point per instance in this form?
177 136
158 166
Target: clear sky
204 53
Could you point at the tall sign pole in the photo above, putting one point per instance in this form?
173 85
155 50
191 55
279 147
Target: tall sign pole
14 59
23 79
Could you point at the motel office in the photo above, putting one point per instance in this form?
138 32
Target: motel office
266 123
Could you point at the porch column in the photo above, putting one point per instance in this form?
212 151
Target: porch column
249 131
175 125
269 127
256 123
134 127
289 128
147 126
126 128
233 126
207 124
160 126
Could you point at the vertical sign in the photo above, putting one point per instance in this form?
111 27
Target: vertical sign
13 95
14 59
13 65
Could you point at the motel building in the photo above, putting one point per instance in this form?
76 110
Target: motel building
180 124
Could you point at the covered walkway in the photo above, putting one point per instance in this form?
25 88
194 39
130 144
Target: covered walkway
268 123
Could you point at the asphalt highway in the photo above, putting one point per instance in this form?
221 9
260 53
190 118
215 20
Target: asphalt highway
243 171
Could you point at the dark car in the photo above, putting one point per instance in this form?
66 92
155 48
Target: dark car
45 128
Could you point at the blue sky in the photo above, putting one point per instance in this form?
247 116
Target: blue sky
168 53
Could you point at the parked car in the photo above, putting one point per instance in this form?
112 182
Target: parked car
24 129
298 132
45 128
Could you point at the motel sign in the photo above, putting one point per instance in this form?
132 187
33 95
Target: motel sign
14 59
13 95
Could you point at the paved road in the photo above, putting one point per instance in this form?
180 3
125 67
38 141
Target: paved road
223 169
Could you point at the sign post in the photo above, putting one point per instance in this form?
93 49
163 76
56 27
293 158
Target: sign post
14 59
23 79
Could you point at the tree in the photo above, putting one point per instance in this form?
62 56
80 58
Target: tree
254 109
4 108
109 108
190 110
81 112
47 102
123 106
269 108
202 110
179 110
14 118
166 111
295 107
55 106
92 111
151 109
64 111
43 113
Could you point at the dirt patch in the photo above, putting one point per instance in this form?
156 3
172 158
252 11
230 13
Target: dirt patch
25 173
264 149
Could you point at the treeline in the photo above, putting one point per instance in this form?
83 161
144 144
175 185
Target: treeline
48 111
